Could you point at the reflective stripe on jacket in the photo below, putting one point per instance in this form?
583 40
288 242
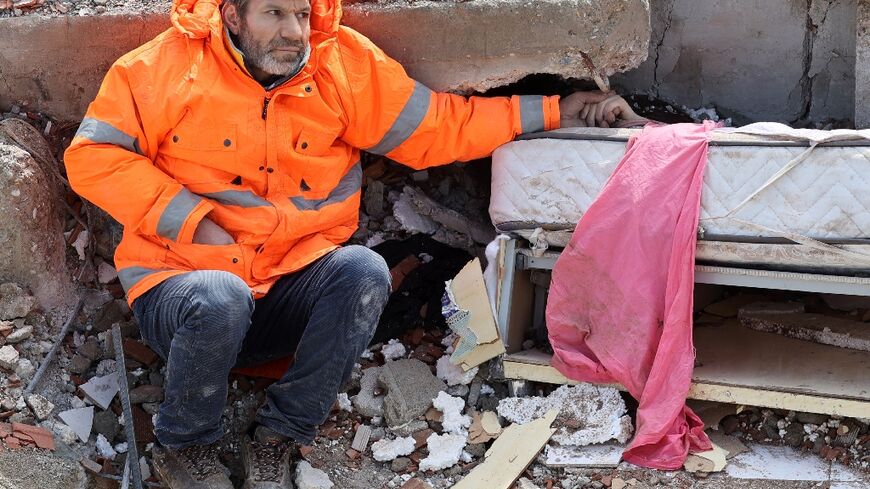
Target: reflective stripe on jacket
179 131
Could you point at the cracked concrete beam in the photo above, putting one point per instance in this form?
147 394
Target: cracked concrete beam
862 66
57 63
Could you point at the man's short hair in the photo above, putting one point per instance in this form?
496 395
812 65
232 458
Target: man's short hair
240 5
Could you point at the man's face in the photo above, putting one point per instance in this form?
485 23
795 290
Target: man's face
273 34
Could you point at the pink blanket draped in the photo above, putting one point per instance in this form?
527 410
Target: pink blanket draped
620 303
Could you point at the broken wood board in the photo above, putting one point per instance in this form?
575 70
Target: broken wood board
594 456
730 444
510 454
827 330
468 313
484 427
736 379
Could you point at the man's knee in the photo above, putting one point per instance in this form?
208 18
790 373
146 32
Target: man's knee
219 295
364 272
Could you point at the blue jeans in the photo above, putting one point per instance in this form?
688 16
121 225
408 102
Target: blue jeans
205 322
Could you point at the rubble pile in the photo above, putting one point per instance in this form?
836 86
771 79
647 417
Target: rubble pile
17 8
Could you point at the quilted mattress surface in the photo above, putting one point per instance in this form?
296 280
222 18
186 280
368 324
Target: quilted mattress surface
549 183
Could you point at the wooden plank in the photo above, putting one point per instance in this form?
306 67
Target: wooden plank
738 356
742 366
510 454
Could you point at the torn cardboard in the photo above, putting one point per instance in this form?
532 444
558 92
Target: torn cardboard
466 309
709 461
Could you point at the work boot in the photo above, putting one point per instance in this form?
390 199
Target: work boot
267 460
193 467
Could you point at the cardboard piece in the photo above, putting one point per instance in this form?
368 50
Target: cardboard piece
510 454
468 313
709 461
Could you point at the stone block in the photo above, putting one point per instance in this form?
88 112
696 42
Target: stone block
410 388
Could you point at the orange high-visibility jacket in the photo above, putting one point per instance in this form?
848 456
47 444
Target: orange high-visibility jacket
179 130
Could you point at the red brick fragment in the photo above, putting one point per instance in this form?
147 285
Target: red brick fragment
41 437
420 437
139 352
352 454
305 451
142 426
12 442
416 483
5 430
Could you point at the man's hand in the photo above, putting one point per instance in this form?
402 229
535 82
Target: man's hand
210 233
571 107
608 112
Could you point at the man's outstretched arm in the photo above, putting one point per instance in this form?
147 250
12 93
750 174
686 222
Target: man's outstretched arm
391 114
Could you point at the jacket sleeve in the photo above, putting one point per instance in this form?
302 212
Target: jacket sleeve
110 163
391 114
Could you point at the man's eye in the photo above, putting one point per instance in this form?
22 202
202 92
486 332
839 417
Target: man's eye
274 12
303 15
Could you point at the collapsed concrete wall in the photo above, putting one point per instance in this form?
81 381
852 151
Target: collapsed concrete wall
56 64
787 61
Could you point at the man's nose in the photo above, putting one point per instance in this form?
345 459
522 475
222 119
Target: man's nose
291 28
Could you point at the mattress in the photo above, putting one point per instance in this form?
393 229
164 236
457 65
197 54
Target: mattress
543 186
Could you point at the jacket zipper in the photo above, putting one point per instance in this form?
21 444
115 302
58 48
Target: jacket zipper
265 106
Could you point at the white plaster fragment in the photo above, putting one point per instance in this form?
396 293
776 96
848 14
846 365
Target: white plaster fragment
101 390
104 448
387 450
444 451
453 374
344 402
80 420
453 421
393 350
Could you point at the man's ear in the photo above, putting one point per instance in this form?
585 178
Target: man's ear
231 17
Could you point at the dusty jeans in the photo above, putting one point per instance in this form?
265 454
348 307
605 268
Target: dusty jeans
203 323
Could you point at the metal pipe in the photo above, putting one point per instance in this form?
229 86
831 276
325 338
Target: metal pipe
51 353
129 425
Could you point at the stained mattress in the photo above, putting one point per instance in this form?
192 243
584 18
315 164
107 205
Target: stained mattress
547 183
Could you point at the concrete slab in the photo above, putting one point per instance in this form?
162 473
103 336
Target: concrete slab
778 463
456 46
840 473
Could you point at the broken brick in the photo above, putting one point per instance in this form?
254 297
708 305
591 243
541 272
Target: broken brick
305 451
41 437
139 352
352 454
420 438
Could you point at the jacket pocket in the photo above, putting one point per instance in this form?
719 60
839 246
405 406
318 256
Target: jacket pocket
199 153
207 257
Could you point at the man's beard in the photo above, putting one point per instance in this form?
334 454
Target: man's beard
262 56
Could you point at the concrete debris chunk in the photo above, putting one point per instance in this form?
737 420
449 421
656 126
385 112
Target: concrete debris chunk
410 388
80 420
106 273
524 483
15 302
366 402
344 402
40 406
20 335
387 450
361 438
595 456
416 483
101 390
8 357
444 451
104 448
307 477
587 413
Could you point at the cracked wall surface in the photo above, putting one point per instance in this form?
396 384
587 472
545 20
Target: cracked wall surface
786 61
862 64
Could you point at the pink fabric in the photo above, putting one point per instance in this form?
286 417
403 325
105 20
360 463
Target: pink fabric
620 303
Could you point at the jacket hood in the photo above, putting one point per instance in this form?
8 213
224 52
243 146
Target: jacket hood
196 19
